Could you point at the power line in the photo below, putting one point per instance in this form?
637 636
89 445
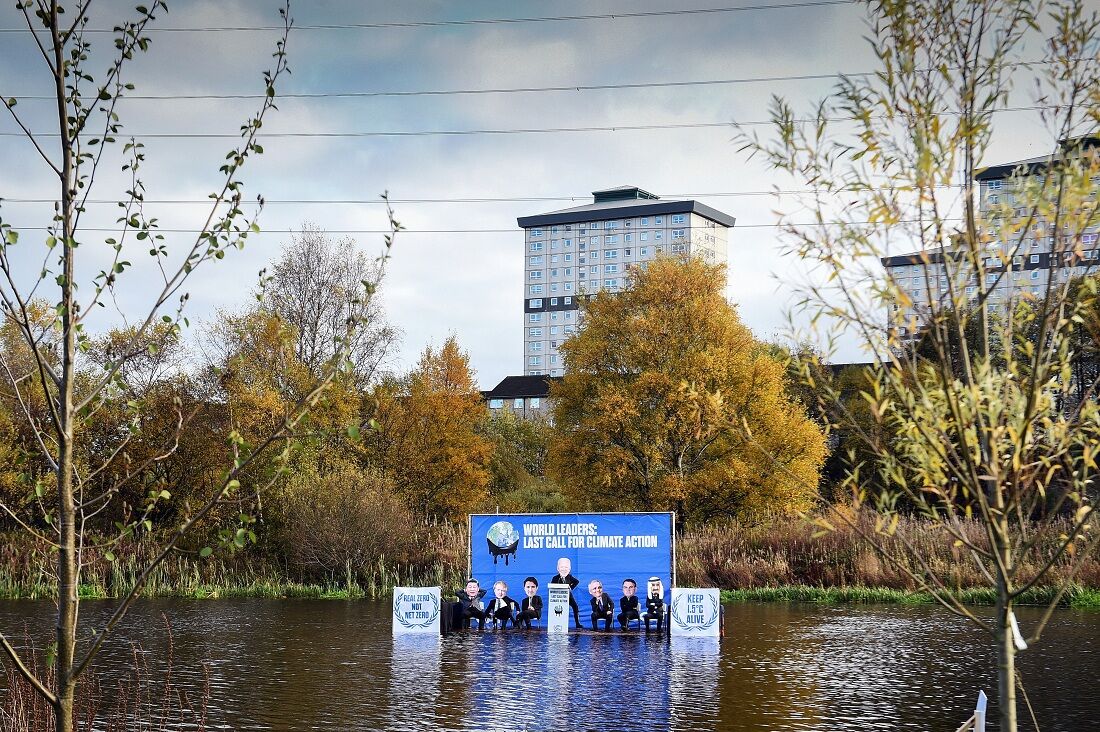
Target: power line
475 21
498 90
450 92
379 201
513 231
462 133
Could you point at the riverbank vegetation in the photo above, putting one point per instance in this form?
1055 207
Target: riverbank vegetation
778 560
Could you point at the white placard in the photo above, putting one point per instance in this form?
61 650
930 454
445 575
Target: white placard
557 608
695 612
416 610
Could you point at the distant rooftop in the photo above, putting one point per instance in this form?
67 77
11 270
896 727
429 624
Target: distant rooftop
1037 164
624 201
514 387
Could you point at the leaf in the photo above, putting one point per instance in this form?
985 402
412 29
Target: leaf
109 556
205 552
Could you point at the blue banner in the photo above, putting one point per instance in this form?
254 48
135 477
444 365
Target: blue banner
608 547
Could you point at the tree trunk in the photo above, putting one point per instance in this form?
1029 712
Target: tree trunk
1006 662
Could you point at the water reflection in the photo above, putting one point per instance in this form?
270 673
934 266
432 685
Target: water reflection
414 681
298 666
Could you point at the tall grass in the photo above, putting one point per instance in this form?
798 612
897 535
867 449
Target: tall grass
774 559
778 560
436 556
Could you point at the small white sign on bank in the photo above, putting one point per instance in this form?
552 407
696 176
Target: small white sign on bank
416 610
695 612
557 608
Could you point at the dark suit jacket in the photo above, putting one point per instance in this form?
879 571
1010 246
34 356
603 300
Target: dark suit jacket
466 602
628 604
568 579
603 605
534 604
500 603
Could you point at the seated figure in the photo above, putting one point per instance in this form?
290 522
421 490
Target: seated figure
501 609
654 604
531 607
470 603
603 607
628 604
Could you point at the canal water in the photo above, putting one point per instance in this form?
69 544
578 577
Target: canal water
328 665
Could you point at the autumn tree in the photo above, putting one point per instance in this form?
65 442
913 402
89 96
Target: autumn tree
663 387
518 481
976 423
58 393
426 434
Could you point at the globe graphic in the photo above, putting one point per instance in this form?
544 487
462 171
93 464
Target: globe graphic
502 535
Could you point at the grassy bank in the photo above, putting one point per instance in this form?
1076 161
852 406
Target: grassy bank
778 561
1075 597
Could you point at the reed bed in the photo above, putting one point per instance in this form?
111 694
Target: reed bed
777 561
781 560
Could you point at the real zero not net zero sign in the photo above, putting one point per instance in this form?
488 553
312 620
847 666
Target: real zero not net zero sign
609 547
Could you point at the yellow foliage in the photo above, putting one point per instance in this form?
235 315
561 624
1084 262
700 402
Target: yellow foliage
670 403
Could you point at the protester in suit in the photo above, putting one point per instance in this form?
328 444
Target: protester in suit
531 607
603 607
628 604
501 609
654 603
471 605
564 577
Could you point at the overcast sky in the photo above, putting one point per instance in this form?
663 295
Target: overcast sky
469 284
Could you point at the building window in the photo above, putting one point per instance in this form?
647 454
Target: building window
995 185
677 233
554 287
1034 258
535 317
568 301
611 224
536 345
496 403
658 219
626 252
595 241
595 269
658 234
568 287
536 232
554 244
568 271
628 238
644 251
610 268
568 257
536 274
553 301
567 243
611 239
554 272
536 302
535 332
611 254
535 402
535 261
518 403
610 283
678 218
644 221
644 236
554 329
994 198
1034 274
536 289
534 360
536 246
553 359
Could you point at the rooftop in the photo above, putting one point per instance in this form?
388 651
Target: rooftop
514 387
624 201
